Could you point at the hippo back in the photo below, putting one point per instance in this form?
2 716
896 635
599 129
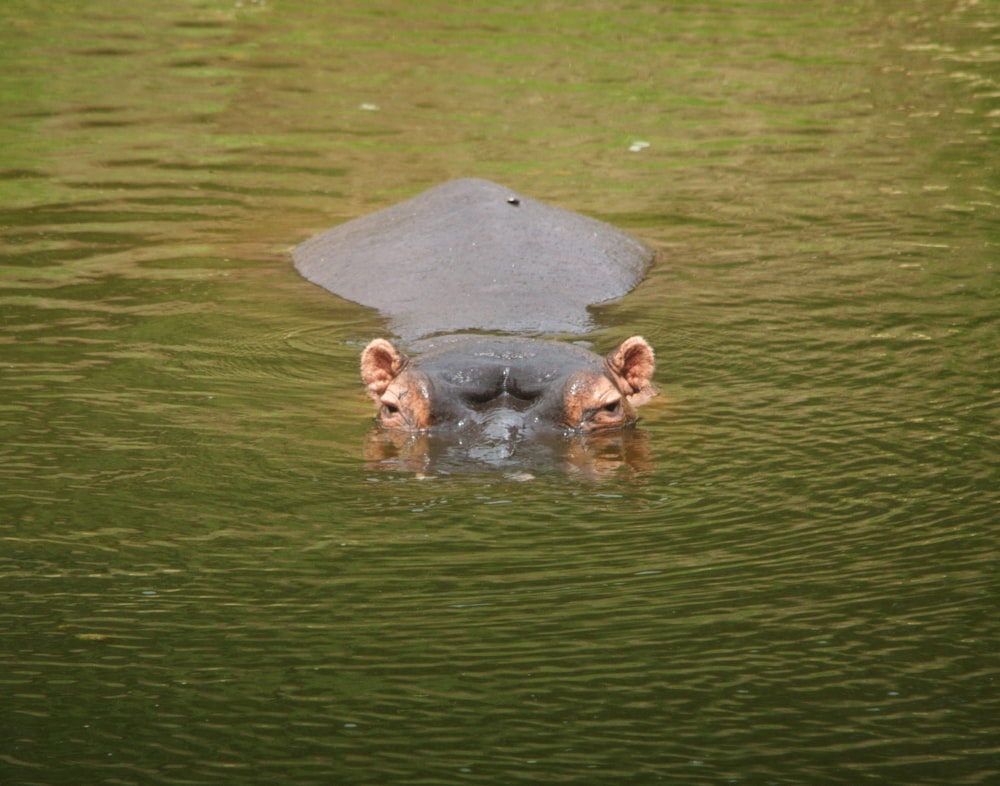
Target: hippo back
472 255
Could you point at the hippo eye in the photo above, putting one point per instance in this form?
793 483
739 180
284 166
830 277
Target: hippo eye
390 409
611 408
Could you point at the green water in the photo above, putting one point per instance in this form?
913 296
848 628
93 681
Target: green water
788 576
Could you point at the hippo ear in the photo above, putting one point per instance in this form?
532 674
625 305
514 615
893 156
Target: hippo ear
381 363
631 366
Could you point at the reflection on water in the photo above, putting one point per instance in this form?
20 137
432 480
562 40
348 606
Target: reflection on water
215 571
594 456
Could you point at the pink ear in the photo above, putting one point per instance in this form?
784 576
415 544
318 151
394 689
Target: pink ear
631 364
381 363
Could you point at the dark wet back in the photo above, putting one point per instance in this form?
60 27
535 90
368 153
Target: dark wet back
473 255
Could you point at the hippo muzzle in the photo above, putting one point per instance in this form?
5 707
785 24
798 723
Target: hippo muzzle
505 388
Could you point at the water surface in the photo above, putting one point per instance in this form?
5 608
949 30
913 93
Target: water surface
208 578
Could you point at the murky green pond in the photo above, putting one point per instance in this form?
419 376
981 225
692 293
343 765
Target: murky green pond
792 577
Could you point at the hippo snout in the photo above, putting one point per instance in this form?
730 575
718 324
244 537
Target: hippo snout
509 386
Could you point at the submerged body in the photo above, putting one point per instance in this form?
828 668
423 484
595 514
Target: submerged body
472 255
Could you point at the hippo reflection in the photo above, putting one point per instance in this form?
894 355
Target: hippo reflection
471 255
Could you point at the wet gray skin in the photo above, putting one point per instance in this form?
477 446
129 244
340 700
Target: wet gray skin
473 255
503 387
505 401
513 384
494 396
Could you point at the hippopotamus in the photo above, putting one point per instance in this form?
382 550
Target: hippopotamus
473 256
546 382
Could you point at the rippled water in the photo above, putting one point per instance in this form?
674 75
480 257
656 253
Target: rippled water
787 575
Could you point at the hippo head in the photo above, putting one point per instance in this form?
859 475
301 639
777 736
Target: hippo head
508 387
